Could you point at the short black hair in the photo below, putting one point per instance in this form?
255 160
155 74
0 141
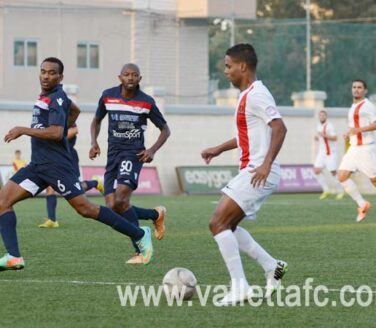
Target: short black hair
56 61
243 53
361 81
132 66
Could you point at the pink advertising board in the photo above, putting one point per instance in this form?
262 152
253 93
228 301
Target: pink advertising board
148 182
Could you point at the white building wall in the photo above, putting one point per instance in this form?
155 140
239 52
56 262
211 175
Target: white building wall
159 5
169 52
193 45
58 33
155 49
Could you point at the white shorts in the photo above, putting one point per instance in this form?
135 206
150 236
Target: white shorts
360 158
249 198
330 162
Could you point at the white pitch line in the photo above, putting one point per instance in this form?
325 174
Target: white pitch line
70 282
293 202
289 203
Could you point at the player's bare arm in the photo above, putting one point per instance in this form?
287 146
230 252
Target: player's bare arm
74 112
367 128
327 136
208 153
95 128
53 132
346 136
147 155
331 138
278 135
72 132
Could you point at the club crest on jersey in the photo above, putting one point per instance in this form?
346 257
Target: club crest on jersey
241 108
271 111
60 101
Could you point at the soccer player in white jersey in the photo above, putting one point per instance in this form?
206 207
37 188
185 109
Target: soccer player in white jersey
361 156
326 156
260 134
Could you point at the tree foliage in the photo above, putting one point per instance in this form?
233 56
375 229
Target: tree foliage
341 51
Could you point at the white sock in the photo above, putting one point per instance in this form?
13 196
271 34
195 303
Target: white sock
228 246
321 178
253 249
338 185
353 191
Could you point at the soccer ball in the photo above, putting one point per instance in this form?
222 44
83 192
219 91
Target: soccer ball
179 283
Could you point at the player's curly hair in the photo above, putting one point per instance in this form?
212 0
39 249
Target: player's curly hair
243 53
56 61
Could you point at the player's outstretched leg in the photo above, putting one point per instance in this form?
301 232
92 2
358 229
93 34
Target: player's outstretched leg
274 269
141 236
274 277
10 194
324 185
339 189
226 216
352 190
131 216
95 182
12 260
157 215
50 221
99 181
51 202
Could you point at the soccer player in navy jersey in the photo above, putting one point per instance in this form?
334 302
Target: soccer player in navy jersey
51 198
128 109
51 165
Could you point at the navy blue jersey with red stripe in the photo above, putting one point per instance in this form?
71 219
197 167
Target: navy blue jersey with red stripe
127 118
51 108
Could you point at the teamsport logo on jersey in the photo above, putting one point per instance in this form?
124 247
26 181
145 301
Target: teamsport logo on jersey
132 134
60 101
78 185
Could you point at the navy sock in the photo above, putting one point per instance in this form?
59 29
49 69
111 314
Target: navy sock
146 213
91 184
8 222
51 207
131 215
118 223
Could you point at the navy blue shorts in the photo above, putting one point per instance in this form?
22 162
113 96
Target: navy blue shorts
122 168
34 178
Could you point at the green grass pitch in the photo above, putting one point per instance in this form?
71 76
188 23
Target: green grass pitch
72 272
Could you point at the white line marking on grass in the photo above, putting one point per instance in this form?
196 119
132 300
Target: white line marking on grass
306 202
70 282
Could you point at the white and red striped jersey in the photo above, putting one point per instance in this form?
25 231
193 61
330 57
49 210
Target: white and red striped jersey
362 114
326 146
255 109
